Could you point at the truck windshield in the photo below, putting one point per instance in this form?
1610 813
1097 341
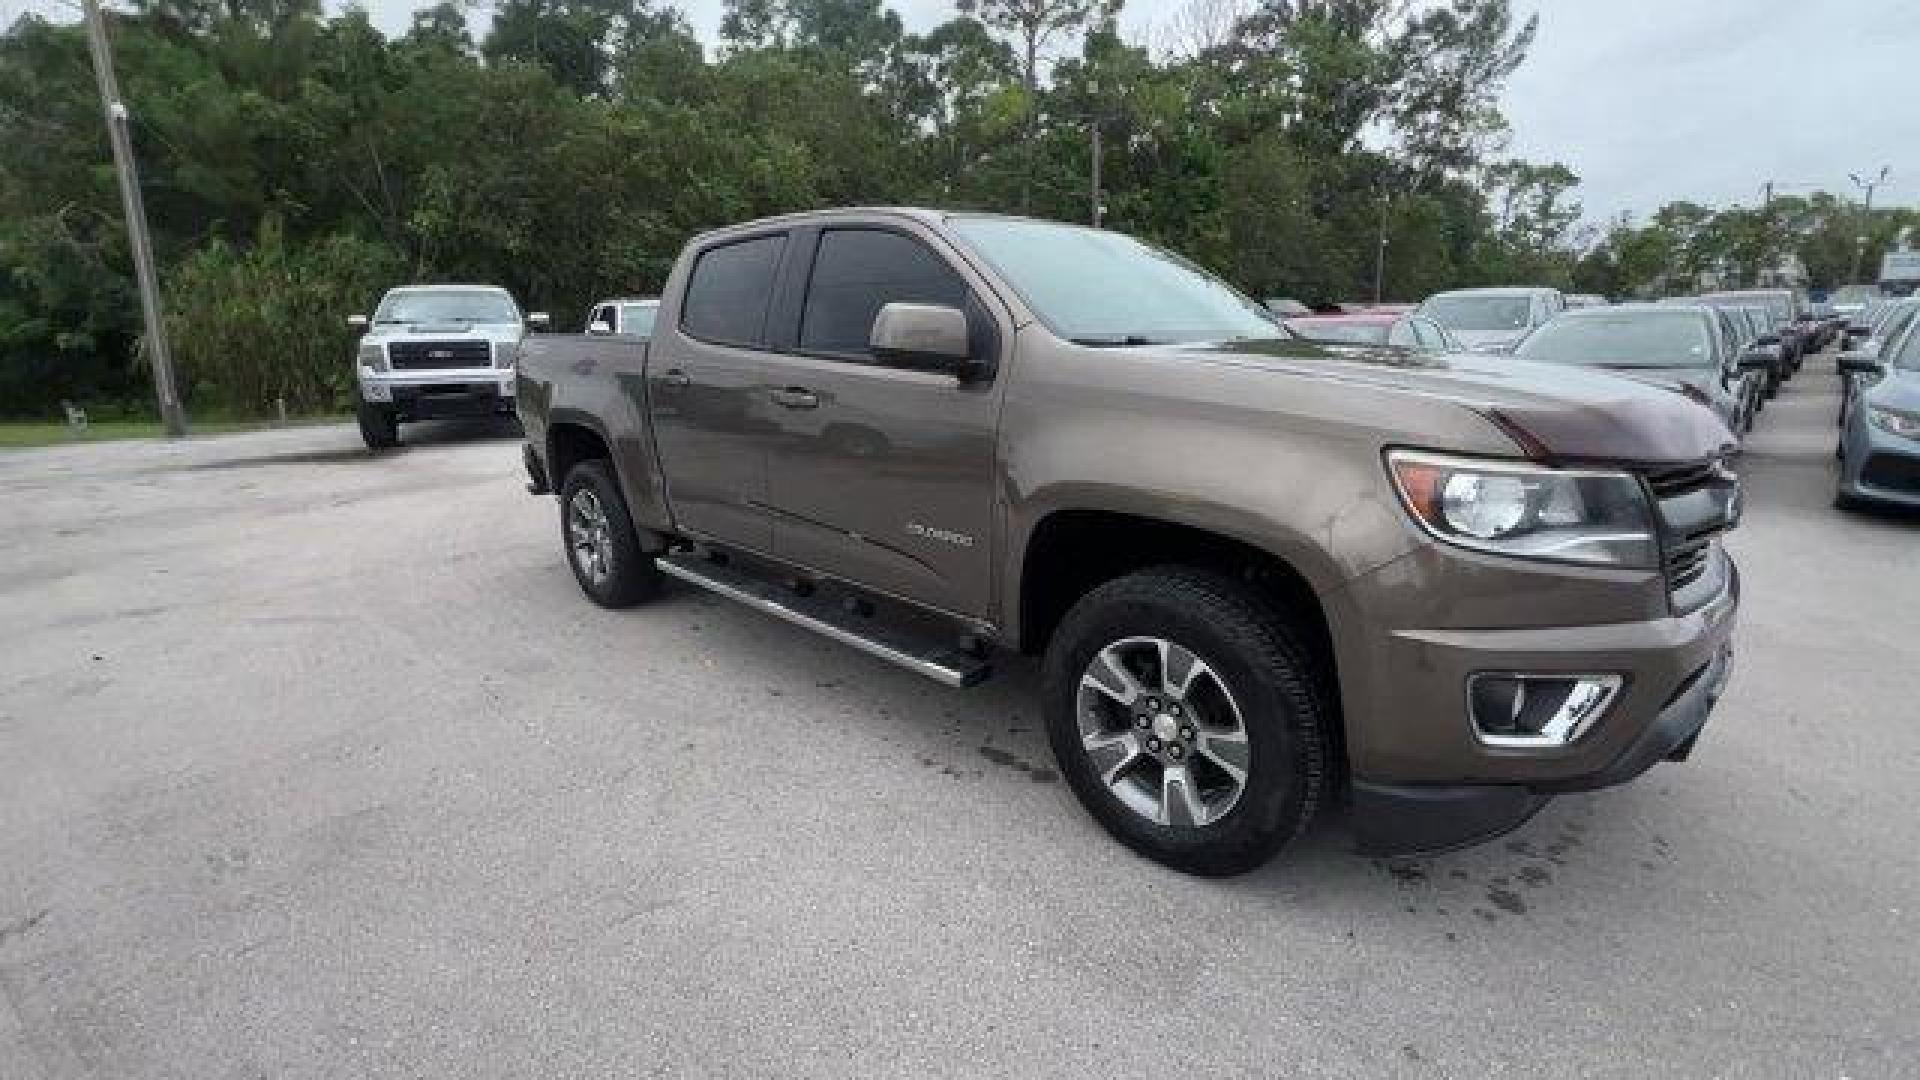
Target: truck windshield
1663 339
1908 359
637 319
1106 289
1479 314
447 305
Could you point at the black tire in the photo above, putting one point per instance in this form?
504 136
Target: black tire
1263 663
630 574
379 427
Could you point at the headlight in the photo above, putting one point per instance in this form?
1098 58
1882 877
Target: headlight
373 355
1528 511
1904 424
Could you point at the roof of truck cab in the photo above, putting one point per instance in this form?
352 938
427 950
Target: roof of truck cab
917 213
448 288
1501 290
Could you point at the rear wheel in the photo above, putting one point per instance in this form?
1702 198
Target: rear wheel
379 427
602 548
1184 713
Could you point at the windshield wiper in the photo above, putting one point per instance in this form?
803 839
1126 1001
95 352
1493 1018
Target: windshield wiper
1114 341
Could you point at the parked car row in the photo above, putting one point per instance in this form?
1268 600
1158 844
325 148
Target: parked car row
1755 340
1731 351
1879 445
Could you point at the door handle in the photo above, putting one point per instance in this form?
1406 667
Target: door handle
675 378
796 397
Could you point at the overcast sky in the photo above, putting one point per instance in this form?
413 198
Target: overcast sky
1648 100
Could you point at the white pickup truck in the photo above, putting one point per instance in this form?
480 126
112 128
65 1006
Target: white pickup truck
437 350
631 316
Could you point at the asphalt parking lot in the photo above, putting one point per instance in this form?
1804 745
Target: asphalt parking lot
317 765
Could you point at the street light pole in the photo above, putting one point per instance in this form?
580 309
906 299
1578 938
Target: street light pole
1866 216
1380 252
171 414
1093 129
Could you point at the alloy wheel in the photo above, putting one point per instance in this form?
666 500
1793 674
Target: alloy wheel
589 539
1162 731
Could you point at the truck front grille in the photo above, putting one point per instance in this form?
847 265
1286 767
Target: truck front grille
1696 504
437 355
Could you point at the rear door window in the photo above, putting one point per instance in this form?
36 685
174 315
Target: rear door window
730 289
856 272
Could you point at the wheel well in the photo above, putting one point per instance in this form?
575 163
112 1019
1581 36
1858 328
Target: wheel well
1074 551
569 445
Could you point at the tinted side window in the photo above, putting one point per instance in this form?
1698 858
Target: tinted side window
1429 335
729 290
858 271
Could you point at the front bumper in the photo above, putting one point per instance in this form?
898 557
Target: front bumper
420 395
1879 466
1424 780
1397 819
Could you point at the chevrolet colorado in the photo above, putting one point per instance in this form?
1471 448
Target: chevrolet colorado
1261 573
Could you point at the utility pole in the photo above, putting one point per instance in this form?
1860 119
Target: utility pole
1093 128
1866 218
1380 252
171 414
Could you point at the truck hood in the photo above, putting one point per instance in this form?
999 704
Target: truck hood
1706 379
1564 412
1900 389
510 331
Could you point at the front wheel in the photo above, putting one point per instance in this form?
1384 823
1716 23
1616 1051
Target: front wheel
1185 714
602 547
379 427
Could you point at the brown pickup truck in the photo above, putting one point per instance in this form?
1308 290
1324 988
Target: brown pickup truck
1262 574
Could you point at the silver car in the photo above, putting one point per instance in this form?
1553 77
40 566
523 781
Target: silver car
1493 320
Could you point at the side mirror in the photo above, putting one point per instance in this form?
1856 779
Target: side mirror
599 327
357 322
1859 363
1755 361
927 336
538 320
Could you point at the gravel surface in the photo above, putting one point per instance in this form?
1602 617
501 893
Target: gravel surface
317 765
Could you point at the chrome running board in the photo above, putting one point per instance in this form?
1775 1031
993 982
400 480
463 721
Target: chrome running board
941 663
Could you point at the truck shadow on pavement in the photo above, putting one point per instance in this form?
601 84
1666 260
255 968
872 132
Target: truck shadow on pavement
993 735
424 435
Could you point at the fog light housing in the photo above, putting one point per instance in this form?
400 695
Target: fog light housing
1525 709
